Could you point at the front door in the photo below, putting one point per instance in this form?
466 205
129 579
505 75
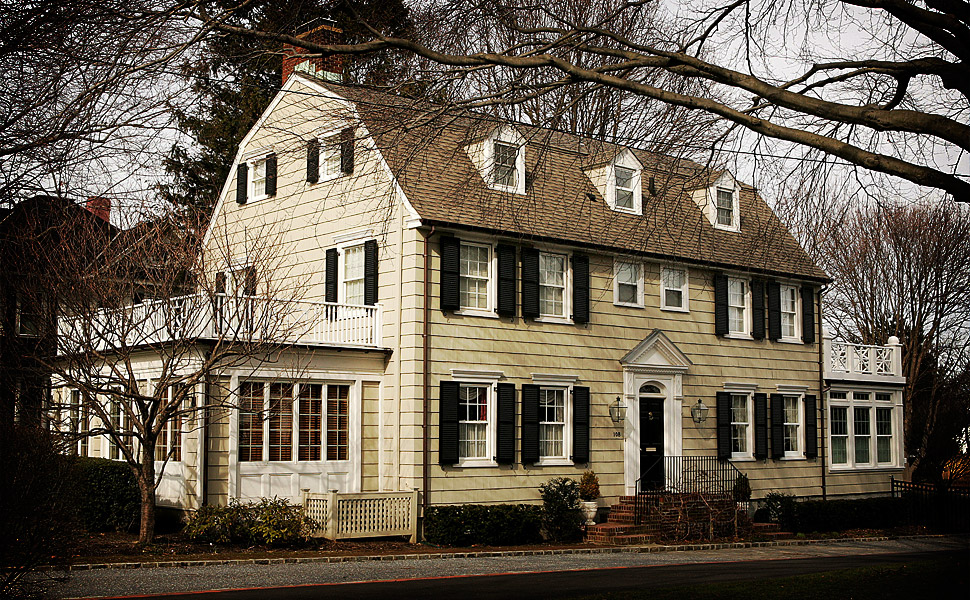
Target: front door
651 442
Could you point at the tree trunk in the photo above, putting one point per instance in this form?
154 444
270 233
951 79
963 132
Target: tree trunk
146 487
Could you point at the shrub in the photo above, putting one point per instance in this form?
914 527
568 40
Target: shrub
839 515
742 488
781 509
562 517
108 498
589 486
269 522
492 524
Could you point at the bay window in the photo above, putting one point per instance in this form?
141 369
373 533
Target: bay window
864 429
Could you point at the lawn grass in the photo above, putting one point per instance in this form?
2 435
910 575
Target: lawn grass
943 578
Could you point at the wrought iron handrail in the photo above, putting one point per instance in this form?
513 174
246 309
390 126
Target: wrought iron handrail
684 475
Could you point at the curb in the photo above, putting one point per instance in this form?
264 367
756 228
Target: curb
497 553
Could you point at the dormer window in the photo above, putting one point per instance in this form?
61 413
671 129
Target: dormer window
624 188
621 177
725 207
499 156
505 157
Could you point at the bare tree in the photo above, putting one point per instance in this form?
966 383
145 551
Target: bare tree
903 271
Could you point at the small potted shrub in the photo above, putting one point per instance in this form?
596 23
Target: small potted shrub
589 491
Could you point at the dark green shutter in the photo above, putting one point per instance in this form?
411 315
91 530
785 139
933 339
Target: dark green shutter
347 151
242 182
777 426
530 424
450 264
758 309
313 161
723 411
580 289
506 280
761 426
811 427
330 289
271 175
580 425
808 314
448 423
530 283
370 272
505 446
720 304
774 310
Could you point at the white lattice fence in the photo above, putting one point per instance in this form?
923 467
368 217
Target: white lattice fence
376 514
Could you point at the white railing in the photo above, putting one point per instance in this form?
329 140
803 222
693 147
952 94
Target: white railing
373 514
843 360
222 317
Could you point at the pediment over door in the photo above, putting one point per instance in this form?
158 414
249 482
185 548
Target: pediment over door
658 354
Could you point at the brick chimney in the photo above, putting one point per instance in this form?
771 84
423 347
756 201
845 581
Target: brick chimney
330 67
100 207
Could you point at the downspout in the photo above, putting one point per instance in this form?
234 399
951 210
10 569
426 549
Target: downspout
203 452
821 389
425 362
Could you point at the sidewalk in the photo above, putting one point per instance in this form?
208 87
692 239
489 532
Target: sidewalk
193 576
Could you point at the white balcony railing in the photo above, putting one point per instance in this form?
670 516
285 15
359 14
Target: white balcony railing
245 319
861 362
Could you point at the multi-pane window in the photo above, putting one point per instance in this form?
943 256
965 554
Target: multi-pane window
792 424
80 421
552 285
624 187
725 207
740 425
321 430
259 177
338 422
473 421
737 305
884 435
504 170
861 431
330 158
628 283
29 317
839 427
473 276
789 311
552 422
673 292
353 281
168 446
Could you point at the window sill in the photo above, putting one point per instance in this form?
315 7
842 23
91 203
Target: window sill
476 463
675 309
864 468
250 200
738 336
627 211
731 228
505 188
791 458
325 178
628 304
554 462
790 341
743 459
550 319
474 312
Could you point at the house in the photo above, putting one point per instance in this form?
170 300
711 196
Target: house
475 307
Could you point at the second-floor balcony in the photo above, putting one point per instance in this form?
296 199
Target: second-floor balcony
863 362
222 318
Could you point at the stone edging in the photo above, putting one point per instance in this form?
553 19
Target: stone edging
492 554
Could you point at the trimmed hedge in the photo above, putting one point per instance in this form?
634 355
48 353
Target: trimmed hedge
839 515
269 522
488 524
108 498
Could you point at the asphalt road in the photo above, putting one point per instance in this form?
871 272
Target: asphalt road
504 578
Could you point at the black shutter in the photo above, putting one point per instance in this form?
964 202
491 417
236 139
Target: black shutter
723 410
347 150
249 281
580 289
450 265
720 304
811 427
777 426
580 424
530 424
370 272
808 314
774 310
448 423
506 280
313 161
758 309
761 426
530 283
331 285
505 446
242 182
271 175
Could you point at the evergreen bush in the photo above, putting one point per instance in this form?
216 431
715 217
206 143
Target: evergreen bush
562 515
108 497
488 524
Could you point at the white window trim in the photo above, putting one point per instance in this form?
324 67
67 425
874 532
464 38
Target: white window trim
735 225
567 296
341 267
800 430
797 338
685 290
636 182
748 393
491 427
326 140
746 333
566 382
505 135
491 285
251 160
616 282
850 403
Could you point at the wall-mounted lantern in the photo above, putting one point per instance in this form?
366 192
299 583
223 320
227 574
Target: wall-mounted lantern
699 411
618 411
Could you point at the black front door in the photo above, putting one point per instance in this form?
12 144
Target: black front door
651 444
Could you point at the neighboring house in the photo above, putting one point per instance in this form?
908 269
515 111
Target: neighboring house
482 306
